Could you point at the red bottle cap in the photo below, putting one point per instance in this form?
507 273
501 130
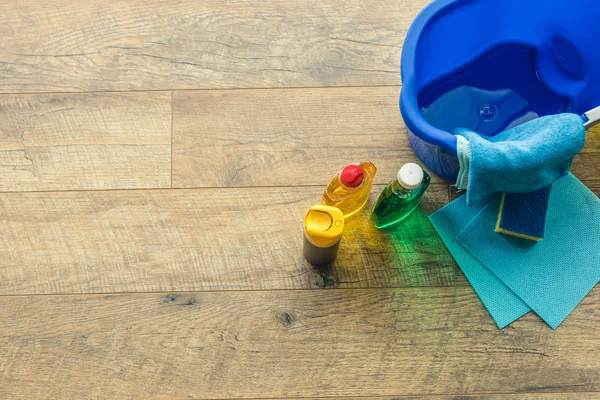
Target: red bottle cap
352 176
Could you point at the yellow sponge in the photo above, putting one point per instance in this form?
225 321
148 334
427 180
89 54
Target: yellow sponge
524 214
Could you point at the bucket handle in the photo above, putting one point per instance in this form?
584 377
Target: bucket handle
591 118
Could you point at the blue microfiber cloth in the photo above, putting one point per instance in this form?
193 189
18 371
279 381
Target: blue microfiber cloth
523 162
551 276
523 159
502 304
524 214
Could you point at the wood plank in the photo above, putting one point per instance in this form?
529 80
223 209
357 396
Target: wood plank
586 165
369 342
182 44
594 186
298 137
207 239
491 396
85 141
285 137
592 139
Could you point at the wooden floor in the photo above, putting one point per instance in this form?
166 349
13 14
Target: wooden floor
156 161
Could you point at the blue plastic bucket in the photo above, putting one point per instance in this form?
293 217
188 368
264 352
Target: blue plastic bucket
488 65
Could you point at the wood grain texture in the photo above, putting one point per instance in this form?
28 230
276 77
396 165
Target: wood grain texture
183 240
299 137
98 45
381 342
592 140
285 137
491 396
594 186
586 165
85 141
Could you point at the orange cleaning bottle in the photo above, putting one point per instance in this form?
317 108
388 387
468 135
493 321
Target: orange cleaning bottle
349 189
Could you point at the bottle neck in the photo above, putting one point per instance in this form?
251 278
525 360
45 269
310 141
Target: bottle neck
398 188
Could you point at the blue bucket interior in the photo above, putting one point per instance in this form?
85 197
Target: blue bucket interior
487 66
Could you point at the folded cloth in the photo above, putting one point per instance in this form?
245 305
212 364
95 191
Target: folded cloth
503 305
551 276
523 159
463 153
524 214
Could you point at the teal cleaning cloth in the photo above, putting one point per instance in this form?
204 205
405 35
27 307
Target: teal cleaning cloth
502 304
523 159
551 276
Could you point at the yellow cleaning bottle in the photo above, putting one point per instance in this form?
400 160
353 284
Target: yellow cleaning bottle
349 189
323 229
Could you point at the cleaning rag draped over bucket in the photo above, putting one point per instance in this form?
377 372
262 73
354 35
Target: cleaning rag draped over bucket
523 159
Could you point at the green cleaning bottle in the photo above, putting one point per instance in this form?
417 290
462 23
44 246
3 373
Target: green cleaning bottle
401 196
